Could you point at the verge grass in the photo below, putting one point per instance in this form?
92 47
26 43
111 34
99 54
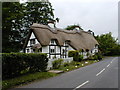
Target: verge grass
26 79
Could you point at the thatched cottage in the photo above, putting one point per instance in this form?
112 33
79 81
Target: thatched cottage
57 42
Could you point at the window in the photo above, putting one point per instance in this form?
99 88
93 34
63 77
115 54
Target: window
95 51
32 41
66 44
91 51
52 50
27 50
96 46
52 42
64 51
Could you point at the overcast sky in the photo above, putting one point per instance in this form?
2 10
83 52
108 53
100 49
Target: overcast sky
100 16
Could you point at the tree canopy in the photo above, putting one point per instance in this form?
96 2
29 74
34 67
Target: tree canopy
17 18
108 44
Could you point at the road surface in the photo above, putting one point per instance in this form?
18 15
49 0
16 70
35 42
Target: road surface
103 74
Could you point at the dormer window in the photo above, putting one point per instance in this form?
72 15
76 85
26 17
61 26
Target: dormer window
66 43
53 42
32 41
96 46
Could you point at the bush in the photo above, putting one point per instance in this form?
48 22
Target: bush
73 53
97 56
66 64
57 63
16 64
78 58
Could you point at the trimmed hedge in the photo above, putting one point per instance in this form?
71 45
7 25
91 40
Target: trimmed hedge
16 64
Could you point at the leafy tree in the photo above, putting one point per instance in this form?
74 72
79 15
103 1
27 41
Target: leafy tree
72 27
39 12
12 15
17 19
108 44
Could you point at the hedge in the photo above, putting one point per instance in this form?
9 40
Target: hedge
16 64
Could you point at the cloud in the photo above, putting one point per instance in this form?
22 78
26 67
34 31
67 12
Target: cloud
97 15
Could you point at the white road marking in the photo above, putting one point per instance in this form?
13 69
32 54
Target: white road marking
81 85
100 72
108 65
111 61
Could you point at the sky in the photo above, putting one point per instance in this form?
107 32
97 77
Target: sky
100 16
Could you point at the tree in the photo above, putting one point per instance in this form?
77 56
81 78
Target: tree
72 27
12 15
39 12
17 19
108 44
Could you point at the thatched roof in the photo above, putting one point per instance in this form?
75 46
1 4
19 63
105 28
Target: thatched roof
78 39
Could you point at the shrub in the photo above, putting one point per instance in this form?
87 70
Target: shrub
73 53
97 56
66 64
57 63
80 57
16 64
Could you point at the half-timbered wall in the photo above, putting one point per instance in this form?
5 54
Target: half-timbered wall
53 50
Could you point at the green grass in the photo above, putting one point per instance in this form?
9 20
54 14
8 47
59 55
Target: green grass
25 79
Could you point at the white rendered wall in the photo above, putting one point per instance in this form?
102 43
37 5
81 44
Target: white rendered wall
70 48
28 45
57 49
45 49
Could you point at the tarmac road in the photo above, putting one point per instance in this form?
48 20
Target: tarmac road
103 74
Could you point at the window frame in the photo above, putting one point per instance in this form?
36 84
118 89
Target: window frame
32 42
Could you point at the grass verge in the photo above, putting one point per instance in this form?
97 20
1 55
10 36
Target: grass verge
25 79
74 65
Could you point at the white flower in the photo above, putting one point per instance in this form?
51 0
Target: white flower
67 69
75 66
82 64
